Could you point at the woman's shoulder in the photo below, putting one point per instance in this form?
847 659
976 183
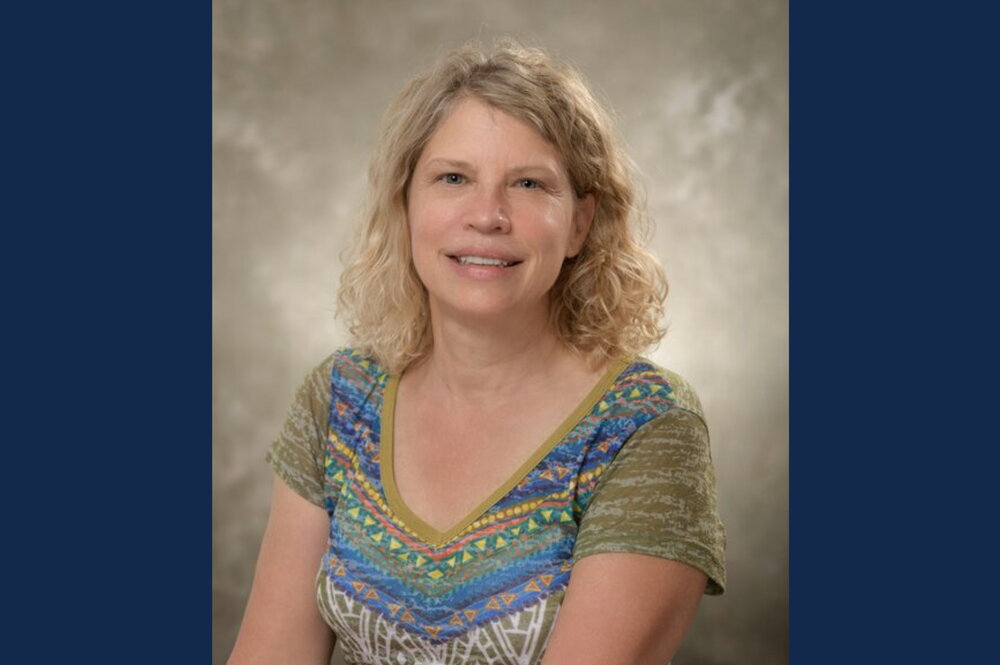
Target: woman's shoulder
355 365
347 372
669 387
349 376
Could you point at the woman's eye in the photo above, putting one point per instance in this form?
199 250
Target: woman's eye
528 183
452 178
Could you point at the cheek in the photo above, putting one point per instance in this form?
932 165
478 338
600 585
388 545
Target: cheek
418 246
557 232
416 220
427 219
422 245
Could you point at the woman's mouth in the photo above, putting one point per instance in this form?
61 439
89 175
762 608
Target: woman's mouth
483 261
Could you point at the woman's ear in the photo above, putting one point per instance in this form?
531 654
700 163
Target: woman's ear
583 217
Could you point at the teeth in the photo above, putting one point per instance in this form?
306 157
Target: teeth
481 261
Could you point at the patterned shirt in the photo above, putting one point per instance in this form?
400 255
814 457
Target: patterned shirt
628 471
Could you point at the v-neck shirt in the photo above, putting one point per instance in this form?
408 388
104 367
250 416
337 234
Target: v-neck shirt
430 534
629 470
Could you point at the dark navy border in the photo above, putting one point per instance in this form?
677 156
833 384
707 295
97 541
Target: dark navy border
893 196
107 283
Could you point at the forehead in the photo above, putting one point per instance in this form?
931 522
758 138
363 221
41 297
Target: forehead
474 129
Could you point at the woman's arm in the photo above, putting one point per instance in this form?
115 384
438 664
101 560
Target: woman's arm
282 623
650 544
624 609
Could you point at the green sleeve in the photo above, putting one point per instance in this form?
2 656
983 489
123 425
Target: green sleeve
658 497
297 455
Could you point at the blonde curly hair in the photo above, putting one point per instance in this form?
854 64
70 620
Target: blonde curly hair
607 301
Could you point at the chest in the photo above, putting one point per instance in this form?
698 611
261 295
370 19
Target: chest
446 462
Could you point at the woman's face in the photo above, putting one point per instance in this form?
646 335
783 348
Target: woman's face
492 216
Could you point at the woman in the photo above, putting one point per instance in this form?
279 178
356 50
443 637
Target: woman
492 474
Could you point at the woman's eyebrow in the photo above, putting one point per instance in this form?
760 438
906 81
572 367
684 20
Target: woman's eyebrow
449 163
534 168
461 165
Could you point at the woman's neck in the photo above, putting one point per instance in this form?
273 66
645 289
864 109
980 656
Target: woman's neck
483 362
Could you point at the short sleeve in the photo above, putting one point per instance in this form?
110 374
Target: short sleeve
297 455
658 497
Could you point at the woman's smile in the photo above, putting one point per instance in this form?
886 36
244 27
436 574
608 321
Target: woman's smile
483 264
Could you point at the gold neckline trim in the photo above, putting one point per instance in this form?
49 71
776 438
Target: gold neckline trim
428 533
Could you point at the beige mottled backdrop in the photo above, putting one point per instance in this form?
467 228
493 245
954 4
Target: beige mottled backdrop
700 88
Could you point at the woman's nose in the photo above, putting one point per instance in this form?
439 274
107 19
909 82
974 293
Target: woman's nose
489 212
